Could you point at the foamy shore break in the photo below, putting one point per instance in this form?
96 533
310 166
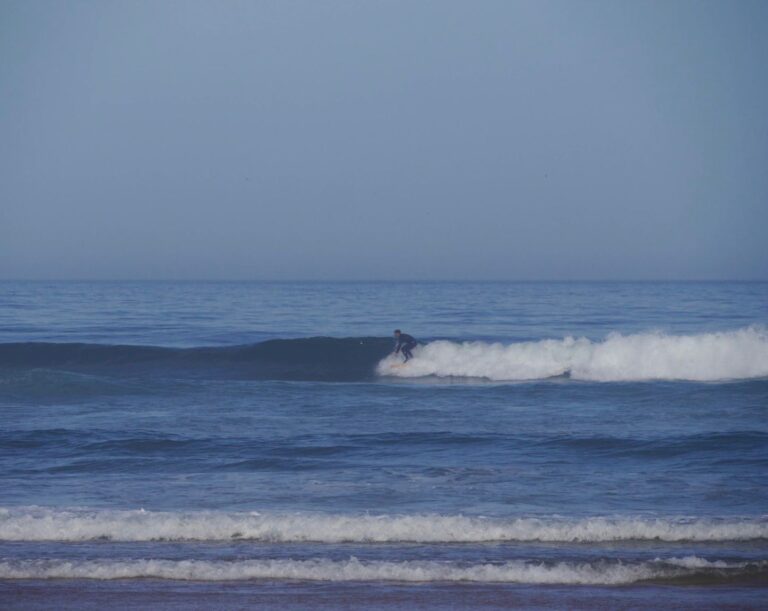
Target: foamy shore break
43 524
352 569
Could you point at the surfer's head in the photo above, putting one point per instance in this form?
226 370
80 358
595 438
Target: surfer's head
397 332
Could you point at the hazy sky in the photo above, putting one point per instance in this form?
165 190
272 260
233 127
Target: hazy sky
384 140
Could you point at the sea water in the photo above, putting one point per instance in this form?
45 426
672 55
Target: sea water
549 445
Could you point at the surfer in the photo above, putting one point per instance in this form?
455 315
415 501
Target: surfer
404 343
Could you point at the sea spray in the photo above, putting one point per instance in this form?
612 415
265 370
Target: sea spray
727 355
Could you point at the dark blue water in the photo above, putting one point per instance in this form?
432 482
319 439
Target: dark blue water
544 435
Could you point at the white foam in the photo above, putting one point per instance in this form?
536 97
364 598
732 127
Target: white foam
694 562
42 524
730 355
322 569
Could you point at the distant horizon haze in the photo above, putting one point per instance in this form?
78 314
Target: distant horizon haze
384 141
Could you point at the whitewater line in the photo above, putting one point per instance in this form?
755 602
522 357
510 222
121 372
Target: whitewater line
44 524
726 355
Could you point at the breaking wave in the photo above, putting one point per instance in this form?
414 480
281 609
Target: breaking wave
607 572
43 524
732 355
727 355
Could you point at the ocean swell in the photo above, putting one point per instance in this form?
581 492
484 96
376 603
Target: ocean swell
728 355
311 359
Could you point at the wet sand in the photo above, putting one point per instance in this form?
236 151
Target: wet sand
165 595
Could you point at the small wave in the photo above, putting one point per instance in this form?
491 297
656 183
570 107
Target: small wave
603 572
42 524
732 355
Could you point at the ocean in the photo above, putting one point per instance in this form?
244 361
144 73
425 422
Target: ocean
242 444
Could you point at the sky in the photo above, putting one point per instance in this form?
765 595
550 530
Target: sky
384 140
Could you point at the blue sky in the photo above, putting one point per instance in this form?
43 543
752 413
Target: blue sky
384 140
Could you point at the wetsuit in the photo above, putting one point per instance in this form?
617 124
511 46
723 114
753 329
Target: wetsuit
405 343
